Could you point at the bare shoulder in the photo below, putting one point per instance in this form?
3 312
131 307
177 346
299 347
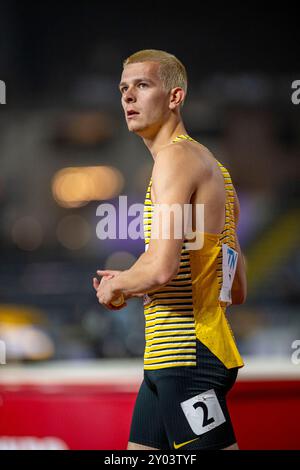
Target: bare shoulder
191 157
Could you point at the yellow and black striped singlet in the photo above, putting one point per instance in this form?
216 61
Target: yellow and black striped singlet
188 307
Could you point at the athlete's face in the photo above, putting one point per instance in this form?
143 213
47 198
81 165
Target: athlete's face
144 99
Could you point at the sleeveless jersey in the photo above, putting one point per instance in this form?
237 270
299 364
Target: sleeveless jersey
188 307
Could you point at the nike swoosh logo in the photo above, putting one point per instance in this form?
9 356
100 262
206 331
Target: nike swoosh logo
177 446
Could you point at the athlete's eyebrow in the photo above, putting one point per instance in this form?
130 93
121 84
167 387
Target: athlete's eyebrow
136 80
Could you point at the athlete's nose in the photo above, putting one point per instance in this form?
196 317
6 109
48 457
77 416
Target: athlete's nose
129 96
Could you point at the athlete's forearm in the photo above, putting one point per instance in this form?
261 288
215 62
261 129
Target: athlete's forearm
146 275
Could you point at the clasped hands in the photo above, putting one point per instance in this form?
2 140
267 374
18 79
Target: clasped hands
104 291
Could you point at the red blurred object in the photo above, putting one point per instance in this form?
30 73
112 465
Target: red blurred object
266 414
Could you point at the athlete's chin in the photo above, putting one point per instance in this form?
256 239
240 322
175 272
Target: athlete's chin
135 127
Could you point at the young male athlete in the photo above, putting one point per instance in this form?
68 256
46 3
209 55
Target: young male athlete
191 359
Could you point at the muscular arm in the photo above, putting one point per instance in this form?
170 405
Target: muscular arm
239 286
173 182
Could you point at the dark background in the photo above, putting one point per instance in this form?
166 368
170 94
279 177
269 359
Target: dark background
61 63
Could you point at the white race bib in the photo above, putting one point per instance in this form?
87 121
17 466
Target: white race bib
230 258
203 412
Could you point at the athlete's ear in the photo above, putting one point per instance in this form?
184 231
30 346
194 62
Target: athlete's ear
177 96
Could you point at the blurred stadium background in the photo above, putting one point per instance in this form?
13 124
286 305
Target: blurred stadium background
64 148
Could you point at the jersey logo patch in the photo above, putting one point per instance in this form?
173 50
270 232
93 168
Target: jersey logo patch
229 264
177 446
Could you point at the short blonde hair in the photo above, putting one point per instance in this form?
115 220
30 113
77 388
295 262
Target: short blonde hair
171 71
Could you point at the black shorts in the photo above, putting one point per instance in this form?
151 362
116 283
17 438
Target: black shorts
185 407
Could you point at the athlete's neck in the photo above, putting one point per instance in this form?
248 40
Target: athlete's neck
165 135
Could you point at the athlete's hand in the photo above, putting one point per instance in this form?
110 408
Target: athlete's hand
104 292
110 273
